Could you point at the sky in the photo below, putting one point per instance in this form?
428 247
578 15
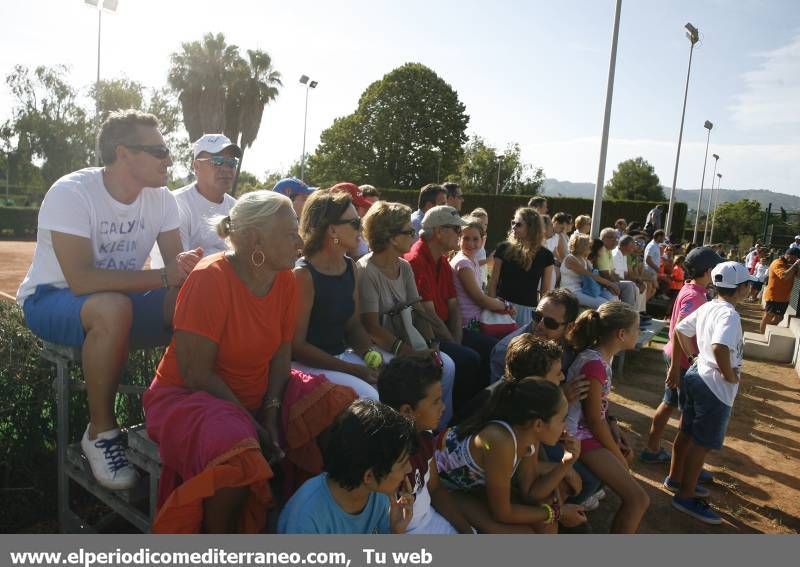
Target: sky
531 72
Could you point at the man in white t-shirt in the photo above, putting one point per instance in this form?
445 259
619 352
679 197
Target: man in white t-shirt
619 256
708 389
86 287
652 253
215 162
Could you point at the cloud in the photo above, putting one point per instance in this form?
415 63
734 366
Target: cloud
772 91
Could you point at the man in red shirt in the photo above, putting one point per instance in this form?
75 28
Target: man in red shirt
470 350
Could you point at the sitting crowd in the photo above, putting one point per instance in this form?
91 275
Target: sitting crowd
394 376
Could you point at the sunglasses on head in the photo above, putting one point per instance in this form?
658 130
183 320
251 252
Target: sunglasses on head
355 223
157 151
219 161
549 322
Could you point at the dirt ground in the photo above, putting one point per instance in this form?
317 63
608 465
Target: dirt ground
757 487
15 258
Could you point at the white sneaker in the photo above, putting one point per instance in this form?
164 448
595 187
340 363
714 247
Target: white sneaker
107 459
591 503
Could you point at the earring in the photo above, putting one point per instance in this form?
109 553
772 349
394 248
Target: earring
253 258
336 240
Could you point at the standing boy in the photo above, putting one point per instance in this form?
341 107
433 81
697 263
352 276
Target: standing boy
691 297
709 387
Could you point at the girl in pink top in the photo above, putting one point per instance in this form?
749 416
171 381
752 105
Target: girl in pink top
598 335
466 275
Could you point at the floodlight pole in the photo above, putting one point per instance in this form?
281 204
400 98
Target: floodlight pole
709 126
597 206
694 37
710 196
716 204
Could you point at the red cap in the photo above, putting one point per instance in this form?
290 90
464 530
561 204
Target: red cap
355 194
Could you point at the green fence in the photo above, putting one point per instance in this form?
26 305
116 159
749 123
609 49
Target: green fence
18 222
501 209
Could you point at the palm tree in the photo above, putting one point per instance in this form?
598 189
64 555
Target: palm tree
220 91
201 74
255 86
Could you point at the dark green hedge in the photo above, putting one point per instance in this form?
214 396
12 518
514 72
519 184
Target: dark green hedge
18 222
501 208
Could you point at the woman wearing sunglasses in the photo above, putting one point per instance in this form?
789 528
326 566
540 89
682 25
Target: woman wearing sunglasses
522 264
386 281
329 337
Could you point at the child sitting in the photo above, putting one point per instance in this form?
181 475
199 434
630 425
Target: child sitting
366 462
577 274
599 335
481 455
709 387
413 386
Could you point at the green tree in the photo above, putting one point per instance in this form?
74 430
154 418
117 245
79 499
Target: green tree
736 219
117 94
478 170
48 124
248 182
634 180
408 127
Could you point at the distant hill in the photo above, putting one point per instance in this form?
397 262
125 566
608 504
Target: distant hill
555 188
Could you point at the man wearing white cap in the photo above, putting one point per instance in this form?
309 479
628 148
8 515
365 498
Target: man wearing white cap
215 162
707 390
796 243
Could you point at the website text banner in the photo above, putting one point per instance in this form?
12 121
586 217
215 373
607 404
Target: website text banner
397 551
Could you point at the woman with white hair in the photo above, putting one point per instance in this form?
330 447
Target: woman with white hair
215 402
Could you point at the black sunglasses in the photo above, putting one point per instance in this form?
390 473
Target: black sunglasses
409 232
455 227
355 223
549 322
157 151
515 224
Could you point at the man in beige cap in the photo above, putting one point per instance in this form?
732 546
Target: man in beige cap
215 161
470 350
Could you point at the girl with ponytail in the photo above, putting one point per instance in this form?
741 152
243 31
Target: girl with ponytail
599 335
479 457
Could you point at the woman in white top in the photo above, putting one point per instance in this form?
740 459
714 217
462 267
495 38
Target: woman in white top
576 265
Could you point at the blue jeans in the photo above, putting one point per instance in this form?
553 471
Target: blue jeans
705 418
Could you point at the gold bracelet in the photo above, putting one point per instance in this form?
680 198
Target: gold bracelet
550 513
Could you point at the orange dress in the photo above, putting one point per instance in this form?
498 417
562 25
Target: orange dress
207 443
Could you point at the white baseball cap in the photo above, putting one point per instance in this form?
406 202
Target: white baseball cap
214 144
730 275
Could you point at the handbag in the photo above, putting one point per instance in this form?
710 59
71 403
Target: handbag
496 324
411 324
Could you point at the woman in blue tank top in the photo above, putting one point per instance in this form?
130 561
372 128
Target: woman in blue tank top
329 338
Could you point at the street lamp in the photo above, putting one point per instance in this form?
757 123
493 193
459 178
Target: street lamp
304 80
708 125
694 36
497 187
597 206
111 7
710 195
716 204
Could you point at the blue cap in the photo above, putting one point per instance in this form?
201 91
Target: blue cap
292 187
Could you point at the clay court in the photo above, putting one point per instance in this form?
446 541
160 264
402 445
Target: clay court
757 488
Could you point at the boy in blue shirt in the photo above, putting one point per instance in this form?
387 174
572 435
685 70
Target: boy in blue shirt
363 489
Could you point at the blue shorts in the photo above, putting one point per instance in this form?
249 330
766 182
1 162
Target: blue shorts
54 315
705 418
671 394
